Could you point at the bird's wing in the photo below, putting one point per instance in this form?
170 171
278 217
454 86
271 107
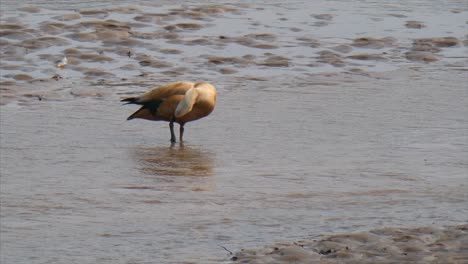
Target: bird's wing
186 104
165 91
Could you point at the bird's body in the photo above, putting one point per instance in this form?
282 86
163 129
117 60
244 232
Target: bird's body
179 102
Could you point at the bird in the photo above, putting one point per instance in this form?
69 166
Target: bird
178 102
62 63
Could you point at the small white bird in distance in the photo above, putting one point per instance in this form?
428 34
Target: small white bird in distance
62 63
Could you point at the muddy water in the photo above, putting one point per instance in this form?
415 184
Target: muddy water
331 118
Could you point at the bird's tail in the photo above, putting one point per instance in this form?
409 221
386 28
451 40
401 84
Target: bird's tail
148 110
131 100
139 113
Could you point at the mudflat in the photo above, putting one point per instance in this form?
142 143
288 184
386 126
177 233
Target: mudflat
388 245
339 118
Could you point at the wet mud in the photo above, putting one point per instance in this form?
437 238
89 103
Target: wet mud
332 118
113 39
403 245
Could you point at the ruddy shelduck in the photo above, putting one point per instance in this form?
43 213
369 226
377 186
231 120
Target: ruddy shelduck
179 102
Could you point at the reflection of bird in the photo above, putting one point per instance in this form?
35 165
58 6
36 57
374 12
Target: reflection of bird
175 160
179 102
62 63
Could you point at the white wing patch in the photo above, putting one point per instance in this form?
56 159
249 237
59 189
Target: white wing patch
187 103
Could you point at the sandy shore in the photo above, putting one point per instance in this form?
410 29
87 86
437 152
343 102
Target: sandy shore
387 245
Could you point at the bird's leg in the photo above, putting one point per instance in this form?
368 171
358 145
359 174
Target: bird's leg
171 126
181 132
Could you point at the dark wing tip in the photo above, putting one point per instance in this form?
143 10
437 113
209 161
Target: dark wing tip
129 100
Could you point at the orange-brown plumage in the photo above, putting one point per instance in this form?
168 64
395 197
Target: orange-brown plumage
179 102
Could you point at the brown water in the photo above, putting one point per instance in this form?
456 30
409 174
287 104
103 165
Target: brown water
325 123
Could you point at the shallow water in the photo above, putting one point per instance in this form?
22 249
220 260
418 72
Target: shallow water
302 142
